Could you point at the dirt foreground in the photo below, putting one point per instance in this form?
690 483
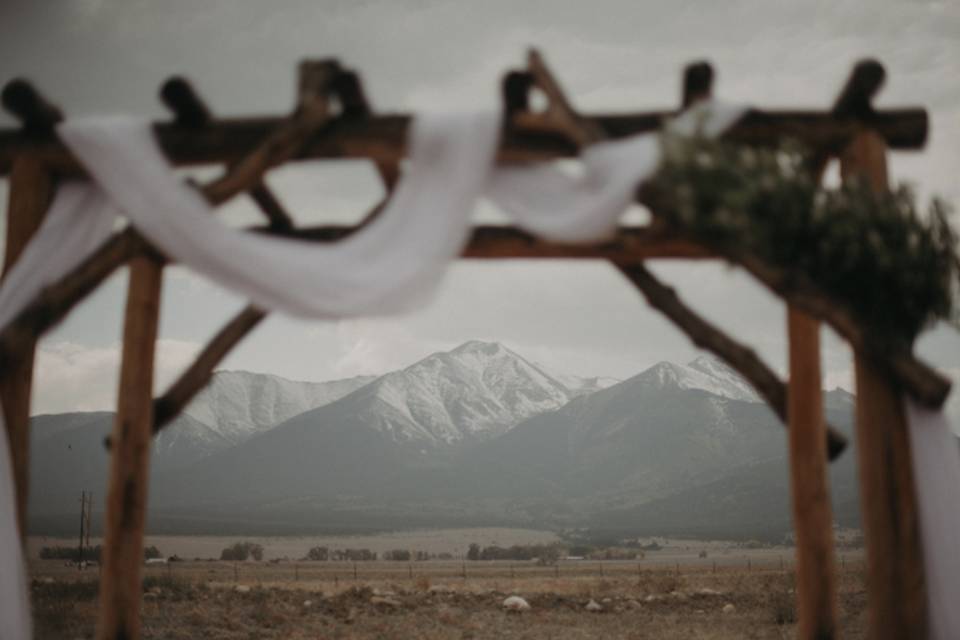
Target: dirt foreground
656 604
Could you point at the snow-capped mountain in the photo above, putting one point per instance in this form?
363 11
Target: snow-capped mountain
403 422
581 386
706 373
69 453
476 391
238 405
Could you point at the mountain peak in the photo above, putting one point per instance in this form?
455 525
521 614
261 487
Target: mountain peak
705 373
476 391
481 347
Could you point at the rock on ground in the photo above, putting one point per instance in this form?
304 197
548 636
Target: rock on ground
516 603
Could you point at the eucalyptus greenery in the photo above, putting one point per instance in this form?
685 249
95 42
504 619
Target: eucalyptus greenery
896 269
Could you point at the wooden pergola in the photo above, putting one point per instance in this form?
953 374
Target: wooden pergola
333 120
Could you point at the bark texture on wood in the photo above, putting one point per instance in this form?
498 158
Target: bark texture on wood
383 137
896 591
739 356
809 483
895 582
31 190
132 439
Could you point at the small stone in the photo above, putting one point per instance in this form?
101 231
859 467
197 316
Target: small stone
242 588
728 608
706 591
633 604
652 598
307 603
593 606
516 603
606 600
149 596
387 602
47 580
439 588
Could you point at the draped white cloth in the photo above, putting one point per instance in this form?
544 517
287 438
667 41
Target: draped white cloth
585 207
78 222
387 266
936 464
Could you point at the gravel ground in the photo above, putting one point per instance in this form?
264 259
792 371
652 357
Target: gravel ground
658 604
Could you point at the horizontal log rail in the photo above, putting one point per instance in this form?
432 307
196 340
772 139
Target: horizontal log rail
382 137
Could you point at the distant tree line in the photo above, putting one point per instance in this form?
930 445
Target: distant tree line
90 554
324 554
544 553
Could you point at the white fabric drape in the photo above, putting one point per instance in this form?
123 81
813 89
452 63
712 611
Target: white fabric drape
936 465
78 222
558 206
385 267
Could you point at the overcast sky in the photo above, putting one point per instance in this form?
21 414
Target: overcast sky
96 56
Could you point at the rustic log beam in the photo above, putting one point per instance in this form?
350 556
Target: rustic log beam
896 587
630 244
707 336
559 116
121 580
697 83
189 110
198 374
31 190
24 102
383 137
312 114
817 611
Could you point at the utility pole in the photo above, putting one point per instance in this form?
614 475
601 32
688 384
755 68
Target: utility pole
84 528
87 522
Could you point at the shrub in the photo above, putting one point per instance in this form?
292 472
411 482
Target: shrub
241 551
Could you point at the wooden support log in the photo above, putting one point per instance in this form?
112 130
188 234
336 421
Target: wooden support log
739 356
31 190
132 438
896 592
817 611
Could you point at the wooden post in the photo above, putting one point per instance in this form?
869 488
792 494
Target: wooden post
31 189
896 590
809 482
120 591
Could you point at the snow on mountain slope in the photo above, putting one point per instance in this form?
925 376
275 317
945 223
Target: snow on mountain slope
474 392
580 386
705 373
237 405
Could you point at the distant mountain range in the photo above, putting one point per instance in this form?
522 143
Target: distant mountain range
476 435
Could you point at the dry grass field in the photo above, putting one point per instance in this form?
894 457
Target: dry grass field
433 600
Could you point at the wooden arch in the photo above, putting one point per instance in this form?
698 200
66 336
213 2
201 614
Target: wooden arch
332 119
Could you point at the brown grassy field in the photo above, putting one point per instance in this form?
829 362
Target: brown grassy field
433 600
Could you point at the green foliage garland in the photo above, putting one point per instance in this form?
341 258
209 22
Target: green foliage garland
891 266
